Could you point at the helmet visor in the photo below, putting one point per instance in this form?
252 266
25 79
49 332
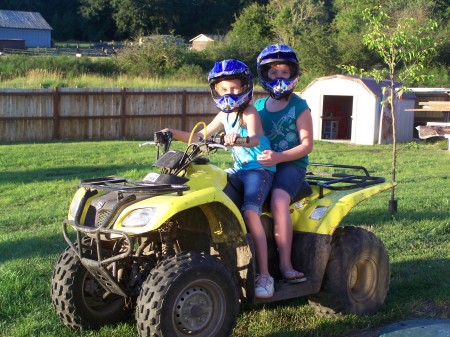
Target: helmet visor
281 86
230 103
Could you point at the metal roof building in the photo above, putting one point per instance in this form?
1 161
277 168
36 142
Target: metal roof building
28 26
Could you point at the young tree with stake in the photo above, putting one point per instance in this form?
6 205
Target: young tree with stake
403 49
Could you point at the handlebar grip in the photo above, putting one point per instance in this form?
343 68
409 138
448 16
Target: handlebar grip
219 139
242 140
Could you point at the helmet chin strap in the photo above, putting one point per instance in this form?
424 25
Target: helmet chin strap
238 114
277 98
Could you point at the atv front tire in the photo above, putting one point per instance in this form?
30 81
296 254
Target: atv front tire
79 299
189 294
357 276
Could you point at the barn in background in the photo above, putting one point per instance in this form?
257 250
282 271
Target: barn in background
348 108
28 26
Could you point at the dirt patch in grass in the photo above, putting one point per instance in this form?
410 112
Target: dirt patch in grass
430 310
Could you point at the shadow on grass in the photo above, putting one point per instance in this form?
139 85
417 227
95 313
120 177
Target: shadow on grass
68 173
419 289
425 279
32 247
380 217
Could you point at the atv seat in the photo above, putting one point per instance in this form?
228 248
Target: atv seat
234 190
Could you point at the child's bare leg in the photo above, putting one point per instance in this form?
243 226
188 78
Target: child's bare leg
256 229
283 234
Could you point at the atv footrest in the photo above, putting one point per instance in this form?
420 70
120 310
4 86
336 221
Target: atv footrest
103 276
284 291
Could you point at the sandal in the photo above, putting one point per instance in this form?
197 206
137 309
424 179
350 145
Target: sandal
293 276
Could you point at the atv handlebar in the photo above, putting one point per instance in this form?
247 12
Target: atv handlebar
220 139
174 162
164 138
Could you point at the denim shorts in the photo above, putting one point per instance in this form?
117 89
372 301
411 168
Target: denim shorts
257 184
289 178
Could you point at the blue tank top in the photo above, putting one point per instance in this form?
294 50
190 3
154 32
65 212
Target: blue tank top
280 126
245 157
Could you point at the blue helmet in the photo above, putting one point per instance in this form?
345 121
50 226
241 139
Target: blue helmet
228 70
278 53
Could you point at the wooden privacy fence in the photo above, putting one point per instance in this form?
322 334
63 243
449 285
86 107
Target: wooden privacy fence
72 113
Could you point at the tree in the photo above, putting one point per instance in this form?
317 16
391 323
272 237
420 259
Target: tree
348 25
187 18
211 16
304 25
98 17
249 34
291 17
403 48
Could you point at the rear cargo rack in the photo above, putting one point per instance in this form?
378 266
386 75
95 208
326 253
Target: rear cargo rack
130 186
332 179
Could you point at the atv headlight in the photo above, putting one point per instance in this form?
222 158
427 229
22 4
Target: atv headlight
139 217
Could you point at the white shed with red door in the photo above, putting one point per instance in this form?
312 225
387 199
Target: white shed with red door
349 108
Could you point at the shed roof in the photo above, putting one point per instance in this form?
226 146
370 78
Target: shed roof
23 20
201 37
373 87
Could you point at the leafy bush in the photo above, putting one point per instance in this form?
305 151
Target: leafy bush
159 57
191 72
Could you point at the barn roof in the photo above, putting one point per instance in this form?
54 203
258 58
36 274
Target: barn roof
23 20
372 86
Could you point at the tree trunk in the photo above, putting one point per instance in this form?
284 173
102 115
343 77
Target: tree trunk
393 203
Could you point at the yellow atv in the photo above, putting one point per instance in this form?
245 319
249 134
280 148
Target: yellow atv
174 247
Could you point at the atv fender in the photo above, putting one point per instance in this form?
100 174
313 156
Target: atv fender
322 215
166 206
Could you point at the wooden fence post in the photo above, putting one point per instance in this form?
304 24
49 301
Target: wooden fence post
183 110
56 119
123 113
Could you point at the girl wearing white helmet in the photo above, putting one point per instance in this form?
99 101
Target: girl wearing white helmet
287 122
231 85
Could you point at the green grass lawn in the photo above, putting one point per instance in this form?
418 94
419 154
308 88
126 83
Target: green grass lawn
37 181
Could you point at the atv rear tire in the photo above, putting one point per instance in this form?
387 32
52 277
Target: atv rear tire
357 276
78 298
189 294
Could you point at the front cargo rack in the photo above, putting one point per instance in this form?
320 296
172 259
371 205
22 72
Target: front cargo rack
130 186
337 177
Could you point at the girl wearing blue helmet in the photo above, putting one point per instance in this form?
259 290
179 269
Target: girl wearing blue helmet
287 122
231 85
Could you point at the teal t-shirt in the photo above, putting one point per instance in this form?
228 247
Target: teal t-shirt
280 127
245 157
